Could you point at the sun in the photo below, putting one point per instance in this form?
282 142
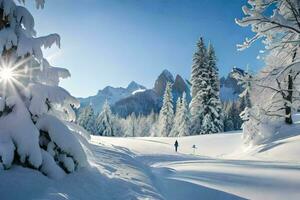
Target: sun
6 74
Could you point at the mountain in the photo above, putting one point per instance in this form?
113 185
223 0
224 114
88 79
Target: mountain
111 94
179 87
151 100
135 98
229 88
161 82
140 103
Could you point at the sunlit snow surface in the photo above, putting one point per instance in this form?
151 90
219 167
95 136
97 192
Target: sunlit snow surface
148 168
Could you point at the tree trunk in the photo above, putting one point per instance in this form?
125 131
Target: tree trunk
289 98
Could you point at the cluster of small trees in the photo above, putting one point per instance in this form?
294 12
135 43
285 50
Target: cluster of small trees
172 124
108 124
105 123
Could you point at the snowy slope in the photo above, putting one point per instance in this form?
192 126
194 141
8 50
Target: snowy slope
222 169
148 168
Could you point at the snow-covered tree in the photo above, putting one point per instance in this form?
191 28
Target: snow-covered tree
175 128
145 124
139 126
131 129
166 115
181 121
206 107
33 108
280 31
215 104
105 122
199 81
199 64
275 88
86 118
184 118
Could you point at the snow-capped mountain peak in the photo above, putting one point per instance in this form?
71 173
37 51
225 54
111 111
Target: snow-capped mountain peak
111 94
133 86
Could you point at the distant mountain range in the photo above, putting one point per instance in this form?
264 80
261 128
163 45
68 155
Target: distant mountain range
137 99
151 99
111 94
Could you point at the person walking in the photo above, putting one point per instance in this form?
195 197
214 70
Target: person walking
176 145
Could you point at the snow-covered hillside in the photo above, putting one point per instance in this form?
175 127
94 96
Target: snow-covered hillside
148 168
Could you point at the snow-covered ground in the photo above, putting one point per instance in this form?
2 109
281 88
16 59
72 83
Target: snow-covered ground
148 168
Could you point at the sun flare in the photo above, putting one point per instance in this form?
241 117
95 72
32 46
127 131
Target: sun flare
6 74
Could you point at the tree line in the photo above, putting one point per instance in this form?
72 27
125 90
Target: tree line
205 114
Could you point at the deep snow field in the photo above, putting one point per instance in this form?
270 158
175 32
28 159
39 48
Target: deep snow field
148 168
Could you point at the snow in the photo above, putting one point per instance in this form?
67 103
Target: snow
148 168
62 136
23 134
50 168
138 90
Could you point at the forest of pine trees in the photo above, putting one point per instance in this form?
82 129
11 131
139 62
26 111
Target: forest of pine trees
205 114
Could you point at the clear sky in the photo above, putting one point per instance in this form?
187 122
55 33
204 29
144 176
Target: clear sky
112 42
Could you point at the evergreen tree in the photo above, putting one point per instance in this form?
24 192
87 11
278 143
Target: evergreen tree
105 122
214 102
199 81
231 117
33 107
206 107
175 129
166 114
199 63
131 129
86 119
183 119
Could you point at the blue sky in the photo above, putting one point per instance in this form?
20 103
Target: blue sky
112 42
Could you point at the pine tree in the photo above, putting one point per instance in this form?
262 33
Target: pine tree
105 121
206 107
86 119
131 129
175 129
228 119
232 120
214 102
166 114
199 81
184 118
199 63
